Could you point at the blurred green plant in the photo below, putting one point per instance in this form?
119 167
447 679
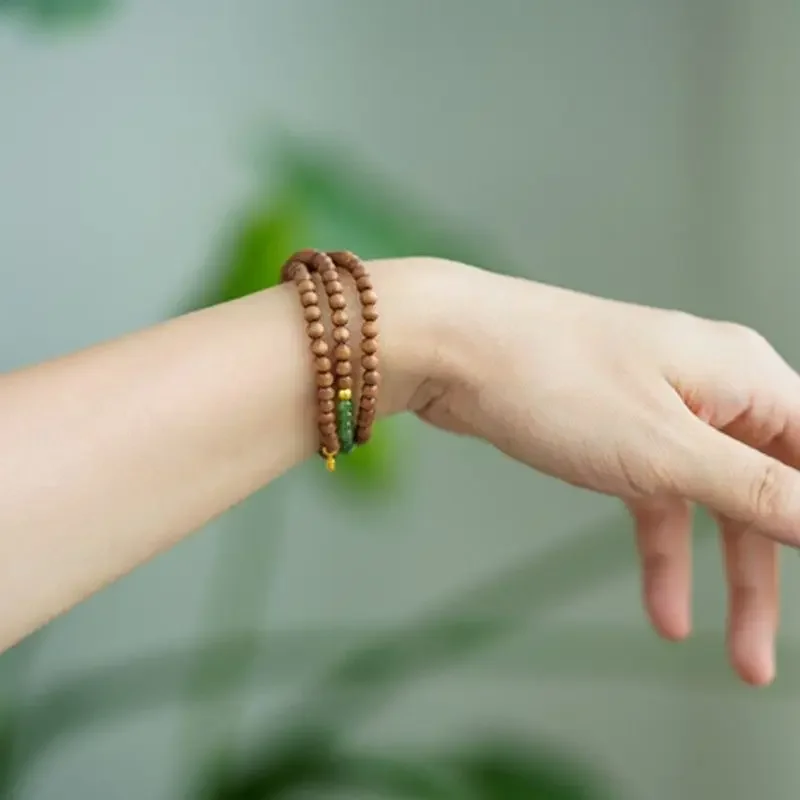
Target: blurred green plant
56 13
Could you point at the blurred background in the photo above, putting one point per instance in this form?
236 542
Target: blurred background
437 622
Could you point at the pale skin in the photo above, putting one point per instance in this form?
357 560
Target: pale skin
115 453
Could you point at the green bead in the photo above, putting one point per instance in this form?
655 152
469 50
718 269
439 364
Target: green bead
345 426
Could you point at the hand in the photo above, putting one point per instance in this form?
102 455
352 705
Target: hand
659 408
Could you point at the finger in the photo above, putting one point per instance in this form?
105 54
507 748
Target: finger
663 538
751 566
735 481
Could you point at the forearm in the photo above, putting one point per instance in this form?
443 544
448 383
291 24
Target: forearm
113 454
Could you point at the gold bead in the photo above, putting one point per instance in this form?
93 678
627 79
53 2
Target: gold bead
345 394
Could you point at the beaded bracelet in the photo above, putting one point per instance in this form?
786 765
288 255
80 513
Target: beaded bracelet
337 429
370 377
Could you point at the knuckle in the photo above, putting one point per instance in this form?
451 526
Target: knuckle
769 492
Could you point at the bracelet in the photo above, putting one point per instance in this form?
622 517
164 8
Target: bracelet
338 431
370 376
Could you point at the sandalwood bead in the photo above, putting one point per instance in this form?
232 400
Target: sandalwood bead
312 314
346 382
370 362
370 314
369 330
326 417
369 346
368 297
344 368
324 380
309 299
328 429
364 283
330 443
342 352
319 347
334 287
323 364
316 330
339 317
329 275
369 391
306 285
326 405
341 335
337 301
368 403
371 377
326 393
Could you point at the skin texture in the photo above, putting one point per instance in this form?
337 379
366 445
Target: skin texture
115 453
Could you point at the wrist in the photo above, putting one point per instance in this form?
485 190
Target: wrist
421 308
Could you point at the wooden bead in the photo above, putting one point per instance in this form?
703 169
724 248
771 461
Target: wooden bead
334 287
312 313
370 362
337 301
341 352
358 271
369 330
343 368
370 314
306 285
328 429
367 403
326 406
363 283
369 346
330 443
339 317
326 417
369 298
341 335
319 347
324 380
323 364
326 393
329 275
369 391
309 299
372 377
345 382
316 330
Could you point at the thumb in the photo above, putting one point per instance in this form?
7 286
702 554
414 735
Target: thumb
734 480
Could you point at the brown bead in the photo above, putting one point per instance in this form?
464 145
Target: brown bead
309 299
364 283
334 287
342 352
325 393
294 271
324 380
344 368
339 317
319 347
326 406
306 285
358 271
367 403
312 313
341 335
369 391
369 346
345 382
369 298
328 429
370 313
369 330
372 377
331 444
362 434
323 364
369 362
316 330
337 301
326 417
329 275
